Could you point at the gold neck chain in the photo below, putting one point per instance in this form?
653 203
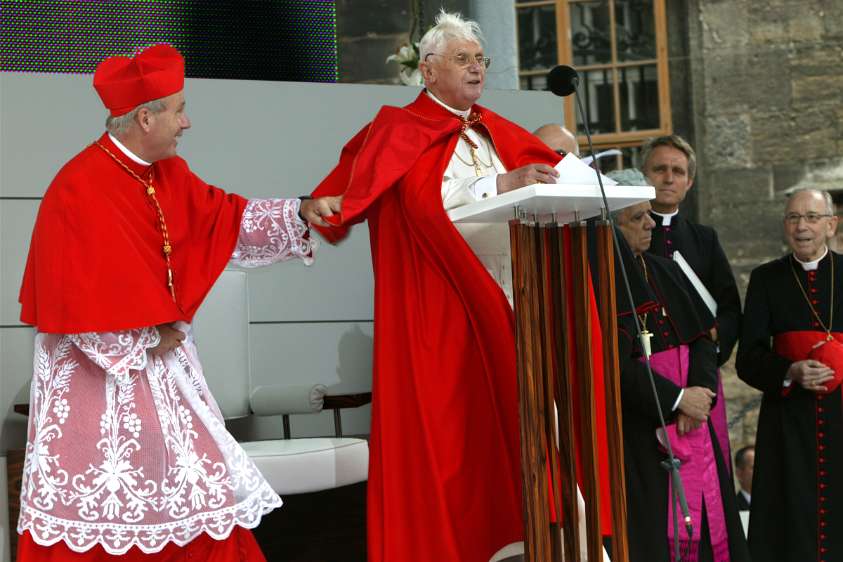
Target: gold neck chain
465 124
646 335
827 329
643 317
167 248
476 162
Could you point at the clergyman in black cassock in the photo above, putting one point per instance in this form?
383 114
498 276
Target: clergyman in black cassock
670 167
793 304
680 325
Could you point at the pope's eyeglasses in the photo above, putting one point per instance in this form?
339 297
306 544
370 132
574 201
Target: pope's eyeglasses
464 60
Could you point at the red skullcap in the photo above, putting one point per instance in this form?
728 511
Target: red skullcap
123 83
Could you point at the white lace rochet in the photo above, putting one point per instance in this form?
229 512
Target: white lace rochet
125 449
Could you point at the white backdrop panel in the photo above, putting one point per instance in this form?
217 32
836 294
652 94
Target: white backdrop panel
16 345
16 220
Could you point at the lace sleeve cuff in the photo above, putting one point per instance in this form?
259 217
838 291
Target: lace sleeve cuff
118 352
271 231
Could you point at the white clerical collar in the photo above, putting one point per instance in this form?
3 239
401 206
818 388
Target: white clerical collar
666 218
132 156
811 265
464 113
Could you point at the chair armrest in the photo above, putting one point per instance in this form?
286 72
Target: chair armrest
277 399
338 401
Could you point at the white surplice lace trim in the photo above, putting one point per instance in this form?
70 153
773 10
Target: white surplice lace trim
109 501
116 539
271 231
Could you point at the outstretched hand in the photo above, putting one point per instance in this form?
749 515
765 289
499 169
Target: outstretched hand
313 210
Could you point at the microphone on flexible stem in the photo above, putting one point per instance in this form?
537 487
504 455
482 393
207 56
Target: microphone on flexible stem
563 81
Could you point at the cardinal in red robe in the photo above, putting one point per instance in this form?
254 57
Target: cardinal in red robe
127 455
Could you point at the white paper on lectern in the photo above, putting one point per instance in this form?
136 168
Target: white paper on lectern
573 171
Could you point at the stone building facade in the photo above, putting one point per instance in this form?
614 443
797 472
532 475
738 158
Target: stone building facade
762 105
756 87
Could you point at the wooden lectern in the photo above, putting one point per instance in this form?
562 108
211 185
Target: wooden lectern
546 223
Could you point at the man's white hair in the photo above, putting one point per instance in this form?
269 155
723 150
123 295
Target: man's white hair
449 27
831 208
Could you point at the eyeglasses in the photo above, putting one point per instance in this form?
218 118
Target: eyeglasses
810 218
463 60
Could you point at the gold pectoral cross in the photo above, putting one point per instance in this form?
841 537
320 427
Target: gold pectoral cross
475 160
646 336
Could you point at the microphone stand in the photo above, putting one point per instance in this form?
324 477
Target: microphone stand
672 463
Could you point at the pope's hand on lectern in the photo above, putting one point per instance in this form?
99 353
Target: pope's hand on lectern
526 175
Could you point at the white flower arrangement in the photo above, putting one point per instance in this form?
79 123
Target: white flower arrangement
407 58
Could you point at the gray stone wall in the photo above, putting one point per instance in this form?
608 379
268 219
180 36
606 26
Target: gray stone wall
765 82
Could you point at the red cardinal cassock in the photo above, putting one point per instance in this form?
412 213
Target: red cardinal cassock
444 469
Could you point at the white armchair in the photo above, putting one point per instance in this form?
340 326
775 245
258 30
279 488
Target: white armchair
292 466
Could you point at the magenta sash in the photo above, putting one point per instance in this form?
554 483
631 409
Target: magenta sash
698 469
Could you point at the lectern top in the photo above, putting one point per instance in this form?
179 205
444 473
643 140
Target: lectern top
564 201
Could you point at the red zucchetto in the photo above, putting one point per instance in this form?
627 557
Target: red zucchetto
123 83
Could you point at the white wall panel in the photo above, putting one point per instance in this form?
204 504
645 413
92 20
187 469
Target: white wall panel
339 285
45 119
16 345
17 218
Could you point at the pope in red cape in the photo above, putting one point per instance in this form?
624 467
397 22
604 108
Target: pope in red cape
127 454
444 472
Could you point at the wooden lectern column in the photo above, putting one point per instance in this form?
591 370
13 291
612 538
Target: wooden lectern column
535 445
607 307
547 376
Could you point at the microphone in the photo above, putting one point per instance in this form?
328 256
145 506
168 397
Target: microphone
563 80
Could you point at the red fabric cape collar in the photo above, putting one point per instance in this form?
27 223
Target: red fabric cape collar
375 160
95 261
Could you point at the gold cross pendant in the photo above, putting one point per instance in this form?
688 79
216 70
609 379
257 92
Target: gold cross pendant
474 160
646 336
